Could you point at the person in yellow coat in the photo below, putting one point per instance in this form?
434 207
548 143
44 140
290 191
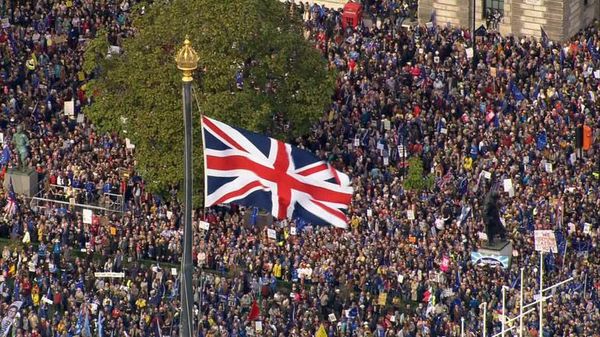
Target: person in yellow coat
35 295
277 270
321 332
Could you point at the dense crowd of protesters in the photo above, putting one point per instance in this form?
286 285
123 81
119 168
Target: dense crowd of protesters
400 94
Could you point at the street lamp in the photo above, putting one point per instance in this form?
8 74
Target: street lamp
474 40
187 62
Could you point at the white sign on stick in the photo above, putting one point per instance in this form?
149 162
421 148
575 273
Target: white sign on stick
487 175
109 274
507 184
410 214
128 144
258 326
204 225
69 107
587 228
271 234
87 216
469 52
545 241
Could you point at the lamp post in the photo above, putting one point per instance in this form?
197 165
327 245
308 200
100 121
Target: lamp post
187 62
474 40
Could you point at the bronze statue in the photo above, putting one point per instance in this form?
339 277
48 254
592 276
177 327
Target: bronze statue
491 217
21 143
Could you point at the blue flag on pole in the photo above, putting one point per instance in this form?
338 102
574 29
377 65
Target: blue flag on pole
100 324
545 38
516 92
592 49
5 155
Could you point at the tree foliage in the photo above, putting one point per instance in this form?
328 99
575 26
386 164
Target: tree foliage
416 180
138 93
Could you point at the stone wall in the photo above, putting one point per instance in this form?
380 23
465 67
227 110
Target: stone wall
561 19
528 16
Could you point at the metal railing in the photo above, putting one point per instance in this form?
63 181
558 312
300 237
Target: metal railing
54 195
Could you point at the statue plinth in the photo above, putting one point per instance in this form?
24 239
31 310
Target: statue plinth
263 219
25 181
498 253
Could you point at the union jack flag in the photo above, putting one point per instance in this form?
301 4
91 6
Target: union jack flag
257 171
11 205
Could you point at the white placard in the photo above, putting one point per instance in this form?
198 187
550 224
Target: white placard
1 138
332 317
69 108
271 233
5 23
369 212
447 293
387 124
548 167
597 74
169 215
469 52
444 131
293 231
128 144
109 274
80 118
587 228
356 142
114 50
204 225
487 175
174 271
47 300
571 227
258 326
87 216
545 241
508 185
410 214
482 236
386 161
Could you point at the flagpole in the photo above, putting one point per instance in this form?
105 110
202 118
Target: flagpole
541 332
521 306
503 310
473 35
484 319
187 62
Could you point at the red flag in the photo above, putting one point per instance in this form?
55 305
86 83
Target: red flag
254 312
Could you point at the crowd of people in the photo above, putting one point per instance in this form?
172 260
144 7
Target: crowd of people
402 268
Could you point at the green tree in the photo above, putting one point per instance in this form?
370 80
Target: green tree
138 93
416 180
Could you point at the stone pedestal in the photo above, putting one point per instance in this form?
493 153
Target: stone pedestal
497 254
263 219
497 248
24 182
